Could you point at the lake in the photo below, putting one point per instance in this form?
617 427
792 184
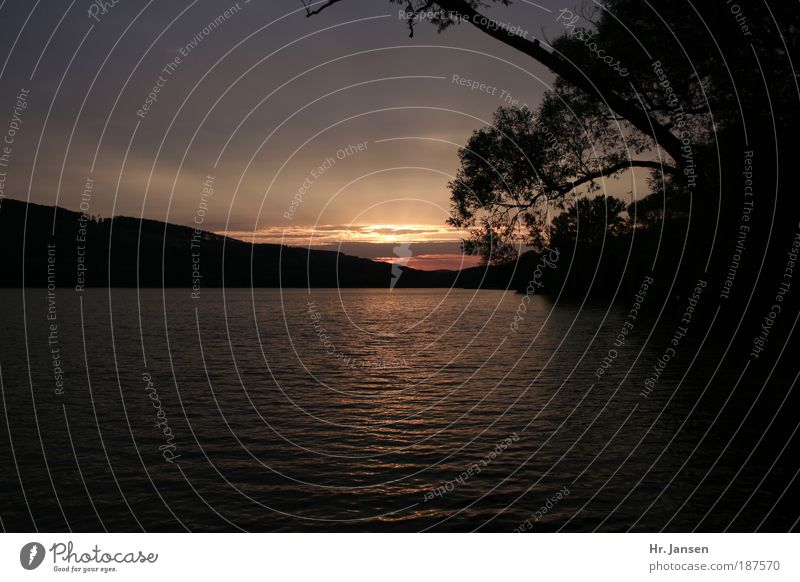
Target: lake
378 410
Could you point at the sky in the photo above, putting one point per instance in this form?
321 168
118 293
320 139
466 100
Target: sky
252 120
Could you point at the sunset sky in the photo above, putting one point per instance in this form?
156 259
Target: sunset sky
336 131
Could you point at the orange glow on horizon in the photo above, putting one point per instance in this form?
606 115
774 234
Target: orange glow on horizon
434 261
327 234
340 237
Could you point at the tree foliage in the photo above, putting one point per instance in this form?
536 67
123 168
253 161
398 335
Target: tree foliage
694 86
588 222
667 86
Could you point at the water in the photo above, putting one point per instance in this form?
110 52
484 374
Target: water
358 410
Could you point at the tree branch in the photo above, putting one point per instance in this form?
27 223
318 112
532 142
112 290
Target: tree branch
310 12
613 169
567 71
582 79
414 13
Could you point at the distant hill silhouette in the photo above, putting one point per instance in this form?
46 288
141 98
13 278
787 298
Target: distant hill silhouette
129 252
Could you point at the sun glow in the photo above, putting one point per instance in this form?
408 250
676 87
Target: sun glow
434 261
334 234
432 246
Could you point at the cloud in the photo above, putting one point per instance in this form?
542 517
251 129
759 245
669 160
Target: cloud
434 262
340 234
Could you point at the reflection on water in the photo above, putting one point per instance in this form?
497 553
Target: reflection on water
351 409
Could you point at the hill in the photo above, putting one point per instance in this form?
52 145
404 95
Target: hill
50 245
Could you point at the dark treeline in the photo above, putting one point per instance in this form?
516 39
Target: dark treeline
708 106
129 252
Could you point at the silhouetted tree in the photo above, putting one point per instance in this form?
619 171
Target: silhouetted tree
688 88
588 222
515 171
